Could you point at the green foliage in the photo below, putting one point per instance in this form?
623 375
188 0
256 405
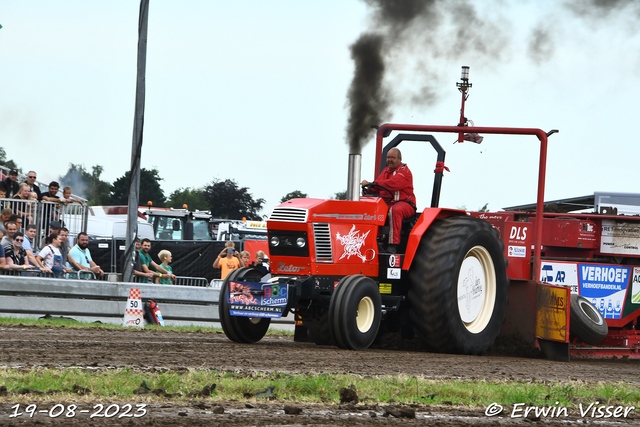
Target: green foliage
226 200
340 195
297 194
7 163
194 198
150 189
85 184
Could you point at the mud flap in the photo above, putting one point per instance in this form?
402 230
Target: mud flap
552 320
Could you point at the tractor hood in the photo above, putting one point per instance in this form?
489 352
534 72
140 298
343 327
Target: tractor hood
370 210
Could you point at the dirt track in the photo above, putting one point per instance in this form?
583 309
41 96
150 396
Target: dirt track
144 349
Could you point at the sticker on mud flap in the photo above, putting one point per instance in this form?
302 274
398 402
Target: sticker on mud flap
517 251
255 299
635 286
605 286
393 273
394 261
560 274
385 288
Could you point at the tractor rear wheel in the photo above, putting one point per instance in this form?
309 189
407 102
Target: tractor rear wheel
459 282
355 312
237 328
586 322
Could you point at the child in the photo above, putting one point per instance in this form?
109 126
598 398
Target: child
3 195
165 257
33 196
66 196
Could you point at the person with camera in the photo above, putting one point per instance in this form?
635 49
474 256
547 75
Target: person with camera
228 260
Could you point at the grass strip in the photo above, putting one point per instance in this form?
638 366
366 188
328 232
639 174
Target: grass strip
308 388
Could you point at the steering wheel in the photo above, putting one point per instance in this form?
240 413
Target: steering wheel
366 191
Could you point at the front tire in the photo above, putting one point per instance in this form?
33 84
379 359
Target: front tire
355 312
237 328
459 286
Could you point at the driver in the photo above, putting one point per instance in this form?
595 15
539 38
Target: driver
397 178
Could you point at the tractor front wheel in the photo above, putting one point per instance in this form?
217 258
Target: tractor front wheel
355 312
458 291
237 328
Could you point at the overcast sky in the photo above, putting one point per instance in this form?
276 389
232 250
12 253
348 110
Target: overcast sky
256 91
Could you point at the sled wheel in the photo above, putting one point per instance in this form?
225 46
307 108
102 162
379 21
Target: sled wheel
586 322
318 330
237 328
458 292
355 312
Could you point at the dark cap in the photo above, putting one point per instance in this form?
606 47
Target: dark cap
54 184
54 224
13 172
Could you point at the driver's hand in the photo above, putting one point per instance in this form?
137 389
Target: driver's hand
364 182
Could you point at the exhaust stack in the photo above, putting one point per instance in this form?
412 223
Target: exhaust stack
353 178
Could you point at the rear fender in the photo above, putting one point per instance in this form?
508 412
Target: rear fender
424 222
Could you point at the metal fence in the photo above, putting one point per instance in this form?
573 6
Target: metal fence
73 216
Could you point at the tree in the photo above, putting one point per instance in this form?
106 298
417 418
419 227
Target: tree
150 189
340 195
7 163
297 194
85 184
227 200
194 198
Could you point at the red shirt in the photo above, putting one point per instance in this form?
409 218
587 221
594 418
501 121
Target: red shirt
400 181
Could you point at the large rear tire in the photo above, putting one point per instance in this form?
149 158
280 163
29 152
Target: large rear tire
237 328
586 322
459 282
355 312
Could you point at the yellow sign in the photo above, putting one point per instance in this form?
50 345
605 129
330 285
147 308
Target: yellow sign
385 288
552 312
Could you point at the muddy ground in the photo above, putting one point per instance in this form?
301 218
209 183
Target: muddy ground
147 349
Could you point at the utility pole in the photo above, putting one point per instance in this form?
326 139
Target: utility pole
136 147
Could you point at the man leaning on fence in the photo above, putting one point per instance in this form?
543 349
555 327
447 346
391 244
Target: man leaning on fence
79 258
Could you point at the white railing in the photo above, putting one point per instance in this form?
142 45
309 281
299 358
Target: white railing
73 216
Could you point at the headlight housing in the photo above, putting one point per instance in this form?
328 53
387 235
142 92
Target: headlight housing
288 243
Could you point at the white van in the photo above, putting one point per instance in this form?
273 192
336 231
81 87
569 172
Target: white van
116 228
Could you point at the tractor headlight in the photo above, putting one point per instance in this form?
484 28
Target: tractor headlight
301 242
275 241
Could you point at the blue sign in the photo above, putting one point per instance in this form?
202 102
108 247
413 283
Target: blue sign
257 299
605 286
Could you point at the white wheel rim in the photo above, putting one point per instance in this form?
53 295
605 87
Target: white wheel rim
254 320
365 314
476 289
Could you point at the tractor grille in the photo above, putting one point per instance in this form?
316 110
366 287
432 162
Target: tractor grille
322 239
289 215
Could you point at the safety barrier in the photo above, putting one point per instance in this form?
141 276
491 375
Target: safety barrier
95 300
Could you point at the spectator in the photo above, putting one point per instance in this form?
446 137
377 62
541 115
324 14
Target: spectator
23 192
64 247
54 227
52 194
146 261
245 256
11 227
137 266
3 261
33 187
50 212
3 195
262 262
29 235
228 260
50 257
10 184
165 258
4 217
33 196
15 255
66 196
79 258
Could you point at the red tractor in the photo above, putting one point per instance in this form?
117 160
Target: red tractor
448 284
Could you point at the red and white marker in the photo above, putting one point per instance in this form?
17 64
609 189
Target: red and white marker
133 313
